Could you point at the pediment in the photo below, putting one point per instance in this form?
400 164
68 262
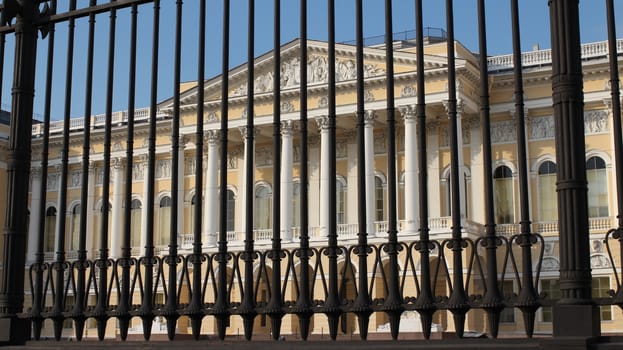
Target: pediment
317 70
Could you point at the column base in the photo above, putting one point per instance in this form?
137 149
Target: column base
14 331
576 321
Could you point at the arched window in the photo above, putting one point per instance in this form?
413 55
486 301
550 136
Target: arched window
340 201
597 187
503 198
379 196
263 207
548 202
50 229
296 204
164 221
231 210
135 223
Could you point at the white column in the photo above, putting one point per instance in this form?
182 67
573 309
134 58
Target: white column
286 180
351 194
411 169
146 199
35 213
314 185
116 229
434 173
242 200
368 136
210 217
477 170
90 203
180 189
325 176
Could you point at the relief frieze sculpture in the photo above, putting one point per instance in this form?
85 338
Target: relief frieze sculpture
317 72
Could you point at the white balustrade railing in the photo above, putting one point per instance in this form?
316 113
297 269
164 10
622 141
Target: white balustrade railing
75 124
263 234
541 57
600 224
506 230
346 231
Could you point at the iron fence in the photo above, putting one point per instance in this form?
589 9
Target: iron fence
426 275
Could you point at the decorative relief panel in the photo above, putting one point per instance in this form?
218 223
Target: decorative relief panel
379 144
211 118
99 179
163 168
287 107
595 122
541 128
232 160
599 261
503 132
137 171
550 264
296 153
445 136
263 156
408 91
317 72
340 149
75 178
190 166
52 183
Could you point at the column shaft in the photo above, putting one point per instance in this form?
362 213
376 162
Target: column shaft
116 229
211 190
411 164
35 214
325 176
286 181
370 116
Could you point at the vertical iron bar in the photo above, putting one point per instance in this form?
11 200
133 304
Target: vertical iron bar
303 308
59 264
425 301
333 302
362 306
18 168
575 272
170 312
38 297
146 311
274 307
125 302
615 100
222 299
101 309
248 311
194 311
457 303
81 265
526 302
492 302
393 303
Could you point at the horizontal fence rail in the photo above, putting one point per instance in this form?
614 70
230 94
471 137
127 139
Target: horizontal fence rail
375 202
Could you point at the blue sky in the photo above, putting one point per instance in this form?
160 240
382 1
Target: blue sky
534 30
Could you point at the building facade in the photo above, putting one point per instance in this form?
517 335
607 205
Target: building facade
540 152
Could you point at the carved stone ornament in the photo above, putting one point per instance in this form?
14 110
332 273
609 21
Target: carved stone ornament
595 122
163 168
137 171
408 91
550 264
503 132
597 246
379 144
212 118
323 102
368 96
287 107
600 261
263 156
541 128
76 178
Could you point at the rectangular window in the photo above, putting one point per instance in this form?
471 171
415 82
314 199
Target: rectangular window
551 288
601 286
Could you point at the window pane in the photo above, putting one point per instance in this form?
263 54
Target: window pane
135 223
508 314
296 204
548 202
231 210
601 286
597 187
552 291
503 185
378 187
